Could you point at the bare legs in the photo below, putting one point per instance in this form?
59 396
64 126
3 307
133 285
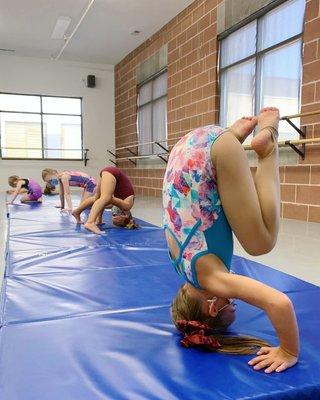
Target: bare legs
267 180
251 205
26 199
83 206
107 187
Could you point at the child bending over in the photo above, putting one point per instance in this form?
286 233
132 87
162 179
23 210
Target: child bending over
66 179
30 188
114 189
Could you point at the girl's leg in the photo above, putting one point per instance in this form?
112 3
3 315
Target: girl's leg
83 206
27 199
82 196
86 195
87 203
107 187
252 206
99 220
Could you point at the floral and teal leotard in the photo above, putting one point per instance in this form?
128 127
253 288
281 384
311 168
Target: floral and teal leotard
193 213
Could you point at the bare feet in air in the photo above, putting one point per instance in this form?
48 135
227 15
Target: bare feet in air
99 221
266 138
77 217
93 228
243 127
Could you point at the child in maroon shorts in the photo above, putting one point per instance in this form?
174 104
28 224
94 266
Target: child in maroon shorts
114 189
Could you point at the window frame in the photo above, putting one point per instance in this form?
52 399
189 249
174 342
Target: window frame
258 54
151 79
41 114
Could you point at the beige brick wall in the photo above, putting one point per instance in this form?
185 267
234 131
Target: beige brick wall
193 99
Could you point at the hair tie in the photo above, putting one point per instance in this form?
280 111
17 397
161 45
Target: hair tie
197 334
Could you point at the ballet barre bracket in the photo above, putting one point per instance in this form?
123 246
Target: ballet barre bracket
164 148
85 157
301 132
163 159
296 149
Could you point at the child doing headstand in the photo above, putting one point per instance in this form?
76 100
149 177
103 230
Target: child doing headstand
208 194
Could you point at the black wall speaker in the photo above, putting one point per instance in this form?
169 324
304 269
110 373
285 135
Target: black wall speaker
91 81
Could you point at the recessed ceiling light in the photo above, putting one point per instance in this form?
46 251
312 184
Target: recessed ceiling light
60 27
135 33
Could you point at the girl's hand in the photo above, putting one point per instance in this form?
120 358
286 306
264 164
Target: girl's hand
274 358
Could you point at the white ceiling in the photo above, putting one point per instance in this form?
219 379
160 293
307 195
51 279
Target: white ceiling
103 37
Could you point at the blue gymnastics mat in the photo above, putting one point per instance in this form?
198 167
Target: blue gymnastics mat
87 318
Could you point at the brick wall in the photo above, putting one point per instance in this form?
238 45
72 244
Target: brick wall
193 99
192 84
300 187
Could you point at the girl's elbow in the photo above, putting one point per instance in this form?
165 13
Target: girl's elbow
281 302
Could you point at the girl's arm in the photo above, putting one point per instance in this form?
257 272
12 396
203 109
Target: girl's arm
66 189
16 191
61 193
276 304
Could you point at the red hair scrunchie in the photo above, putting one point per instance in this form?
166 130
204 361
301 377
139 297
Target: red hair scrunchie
197 334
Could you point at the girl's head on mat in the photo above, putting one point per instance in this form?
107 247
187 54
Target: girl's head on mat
191 304
50 175
13 180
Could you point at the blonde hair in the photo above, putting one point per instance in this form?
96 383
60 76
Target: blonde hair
48 171
185 307
13 180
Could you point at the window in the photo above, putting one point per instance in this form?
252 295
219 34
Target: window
260 66
42 127
152 114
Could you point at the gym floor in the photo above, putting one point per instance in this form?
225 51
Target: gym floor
295 253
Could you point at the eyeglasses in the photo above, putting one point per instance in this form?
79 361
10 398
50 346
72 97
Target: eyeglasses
214 299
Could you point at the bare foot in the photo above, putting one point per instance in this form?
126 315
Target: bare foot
93 228
264 142
243 127
77 217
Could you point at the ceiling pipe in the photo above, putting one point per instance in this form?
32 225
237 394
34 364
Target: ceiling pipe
74 30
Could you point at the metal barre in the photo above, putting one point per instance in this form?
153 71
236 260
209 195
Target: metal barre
307 114
143 144
284 118
141 157
289 142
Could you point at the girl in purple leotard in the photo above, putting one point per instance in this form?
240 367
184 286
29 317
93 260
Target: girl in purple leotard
65 179
25 185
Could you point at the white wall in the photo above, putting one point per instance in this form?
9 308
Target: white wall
48 77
